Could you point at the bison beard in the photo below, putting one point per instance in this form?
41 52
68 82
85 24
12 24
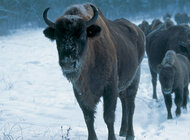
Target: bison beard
108 55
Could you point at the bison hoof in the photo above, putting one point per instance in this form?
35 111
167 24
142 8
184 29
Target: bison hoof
178 112
155 97
170 117
95 138
123 132
92 137
112 137
130 138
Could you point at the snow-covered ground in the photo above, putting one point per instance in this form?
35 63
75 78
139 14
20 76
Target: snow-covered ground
37 102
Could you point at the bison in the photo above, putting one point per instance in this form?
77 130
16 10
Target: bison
168 23
158 43
158 26
101 58
156 23
181 18
145 27
174 76
167 16
155 26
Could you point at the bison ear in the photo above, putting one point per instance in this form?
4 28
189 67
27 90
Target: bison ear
93 30
183 46
49 32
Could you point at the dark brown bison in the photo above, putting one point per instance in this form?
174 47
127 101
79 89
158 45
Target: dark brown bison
167 16
181 18
158 43
101 58
168 23
174 76
145 27
156 25
148 28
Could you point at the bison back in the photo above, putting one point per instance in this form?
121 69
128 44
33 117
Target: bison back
158 43
129 41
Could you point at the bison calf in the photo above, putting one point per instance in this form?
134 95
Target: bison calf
159 42
174 76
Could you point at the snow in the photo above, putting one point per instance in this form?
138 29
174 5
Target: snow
72 17
37 102
81 8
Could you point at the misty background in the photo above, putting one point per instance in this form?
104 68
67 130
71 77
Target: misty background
17 14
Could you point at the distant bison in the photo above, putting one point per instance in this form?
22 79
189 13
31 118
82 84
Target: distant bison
148 28
167 16
156 25
158 43
181 18
145 27
168 23
174 76
101 58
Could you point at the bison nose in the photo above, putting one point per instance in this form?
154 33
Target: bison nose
66 63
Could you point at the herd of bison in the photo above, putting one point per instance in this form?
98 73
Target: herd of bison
101 58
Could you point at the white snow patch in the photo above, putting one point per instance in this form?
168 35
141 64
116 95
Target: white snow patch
72 17
81 8
40 105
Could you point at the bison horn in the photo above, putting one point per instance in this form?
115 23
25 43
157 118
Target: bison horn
47 21
94 18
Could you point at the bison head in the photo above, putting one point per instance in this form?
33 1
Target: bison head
71 33
166 77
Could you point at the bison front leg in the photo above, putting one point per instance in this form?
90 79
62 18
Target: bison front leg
178 101
110 99
168 103
88 116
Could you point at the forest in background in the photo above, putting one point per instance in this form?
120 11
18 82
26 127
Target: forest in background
16 14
